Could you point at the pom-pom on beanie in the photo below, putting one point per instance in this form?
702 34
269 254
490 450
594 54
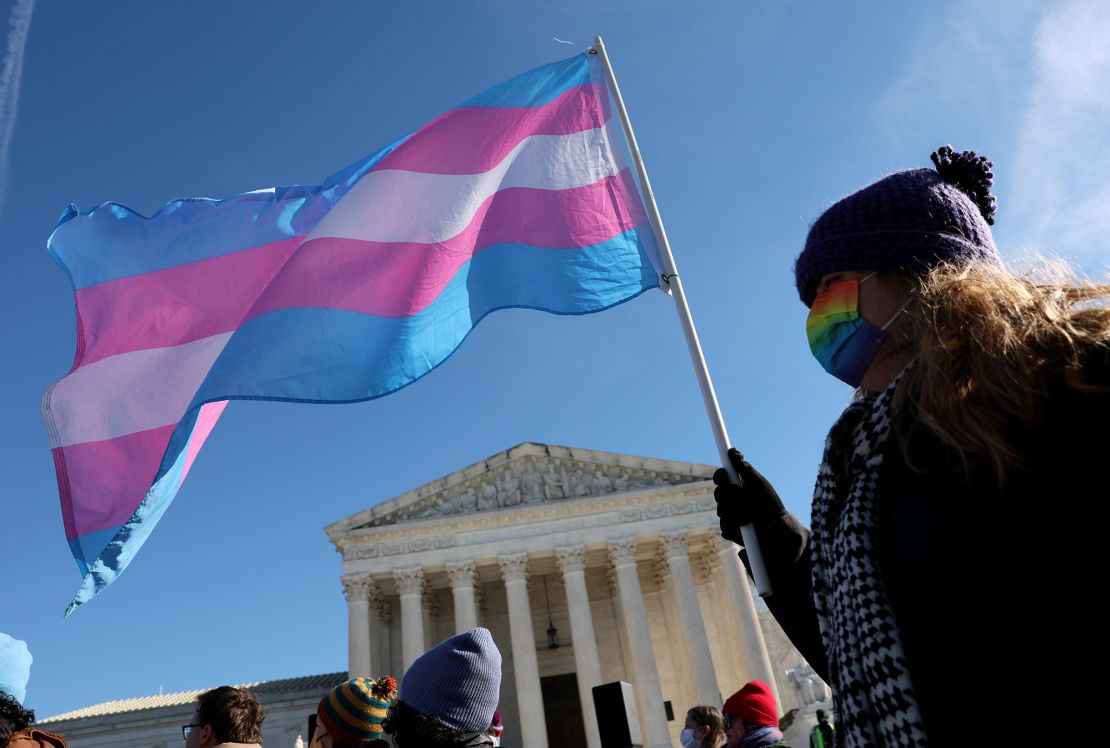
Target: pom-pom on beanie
353 712
15 667
909 221
458 681
754 703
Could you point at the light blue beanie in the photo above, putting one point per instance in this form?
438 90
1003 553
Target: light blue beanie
458 681
15 667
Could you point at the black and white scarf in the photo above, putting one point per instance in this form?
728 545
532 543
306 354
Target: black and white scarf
875 704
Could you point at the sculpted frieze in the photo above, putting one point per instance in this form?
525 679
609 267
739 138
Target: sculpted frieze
533 480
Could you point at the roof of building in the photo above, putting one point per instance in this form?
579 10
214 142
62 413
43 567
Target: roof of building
529 473
269 690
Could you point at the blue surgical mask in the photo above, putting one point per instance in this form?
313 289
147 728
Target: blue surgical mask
686 737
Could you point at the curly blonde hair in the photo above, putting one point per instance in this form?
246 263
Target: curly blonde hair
992 347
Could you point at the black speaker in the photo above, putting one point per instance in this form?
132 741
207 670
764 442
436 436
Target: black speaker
617 720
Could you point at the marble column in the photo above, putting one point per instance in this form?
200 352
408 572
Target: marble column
689 612
463 578
529 696
410 585
645 675
381 612
741 606
430 609
357 590
587 664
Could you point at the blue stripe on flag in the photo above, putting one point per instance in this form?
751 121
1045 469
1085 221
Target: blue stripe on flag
111 241
89 546
329 355
537 87
120 549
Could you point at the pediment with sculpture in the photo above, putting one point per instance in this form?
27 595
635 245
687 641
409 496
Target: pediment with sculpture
535 477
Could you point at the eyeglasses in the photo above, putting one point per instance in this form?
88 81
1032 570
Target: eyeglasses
727 719
186 729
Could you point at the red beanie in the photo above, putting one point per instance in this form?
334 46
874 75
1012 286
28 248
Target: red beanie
754 703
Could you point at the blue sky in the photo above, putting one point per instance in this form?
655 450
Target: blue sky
752 117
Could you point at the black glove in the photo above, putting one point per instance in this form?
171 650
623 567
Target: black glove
753 503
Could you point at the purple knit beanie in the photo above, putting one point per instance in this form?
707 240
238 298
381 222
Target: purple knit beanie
910 221
458 681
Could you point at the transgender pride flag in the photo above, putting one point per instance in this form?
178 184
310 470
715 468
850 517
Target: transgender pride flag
340 292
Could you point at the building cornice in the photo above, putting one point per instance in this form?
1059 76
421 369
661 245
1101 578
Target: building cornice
563 522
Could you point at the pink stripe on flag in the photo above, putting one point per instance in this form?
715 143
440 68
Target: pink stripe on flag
107 480
206 421
393 279
470 140
176 305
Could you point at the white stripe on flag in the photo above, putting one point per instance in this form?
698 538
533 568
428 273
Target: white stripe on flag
131 392
406 206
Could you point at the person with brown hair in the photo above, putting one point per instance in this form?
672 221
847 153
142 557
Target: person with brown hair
225 717
950 542
704 728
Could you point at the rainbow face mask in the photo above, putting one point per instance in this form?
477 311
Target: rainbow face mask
842 341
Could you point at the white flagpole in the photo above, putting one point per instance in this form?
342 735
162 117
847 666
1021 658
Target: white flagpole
674 285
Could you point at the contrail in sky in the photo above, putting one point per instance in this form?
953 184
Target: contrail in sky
19 23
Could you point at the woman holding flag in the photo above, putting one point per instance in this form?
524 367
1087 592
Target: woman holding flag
950 535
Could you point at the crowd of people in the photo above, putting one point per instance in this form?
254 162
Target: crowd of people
956 519
448 699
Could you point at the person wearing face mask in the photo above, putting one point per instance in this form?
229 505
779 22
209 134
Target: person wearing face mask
704 728
956 517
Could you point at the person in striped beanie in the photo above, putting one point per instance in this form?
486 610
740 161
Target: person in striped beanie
351 714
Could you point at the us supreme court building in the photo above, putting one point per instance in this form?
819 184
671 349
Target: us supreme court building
587 567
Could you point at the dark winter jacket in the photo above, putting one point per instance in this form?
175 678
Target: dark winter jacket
994 588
